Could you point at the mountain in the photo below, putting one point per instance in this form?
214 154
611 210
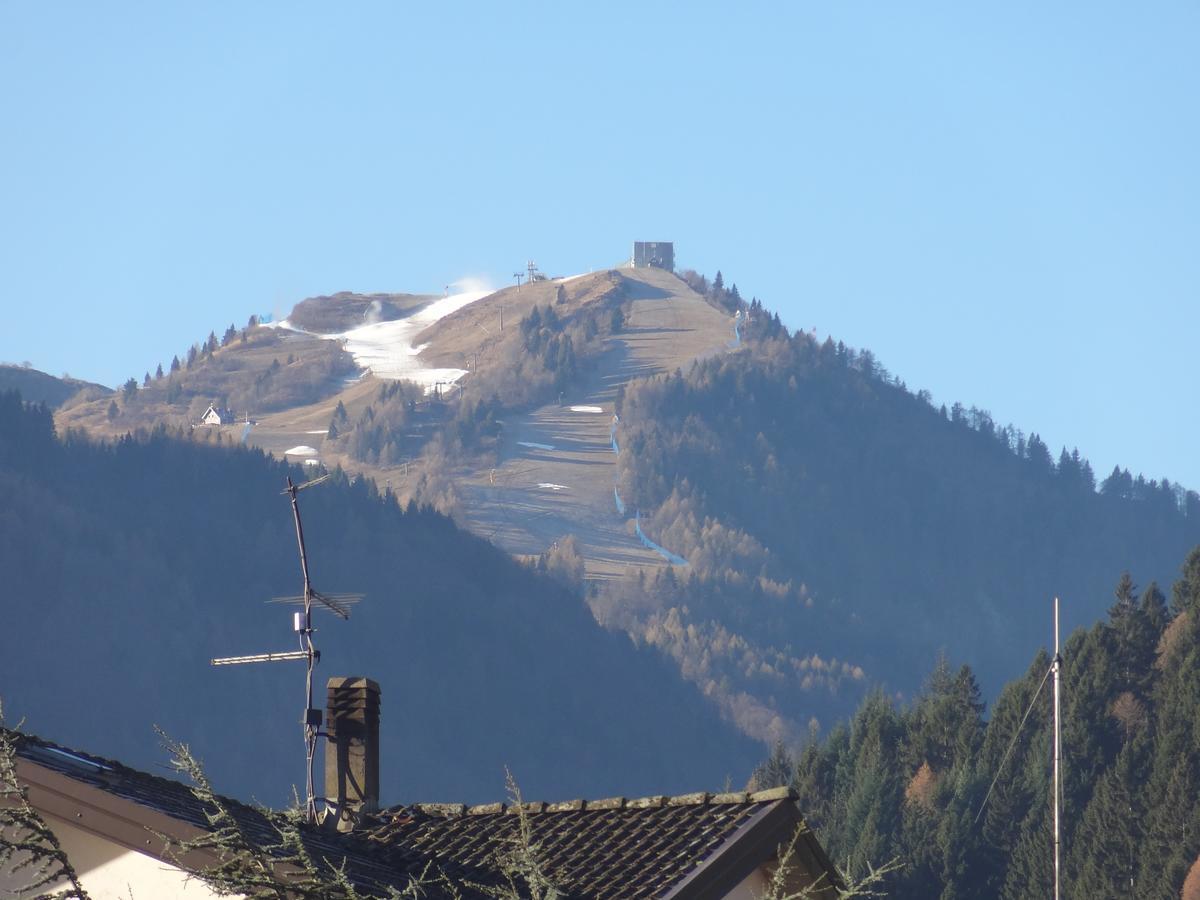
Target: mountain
841 531
129 565
784 519
547 358
38 387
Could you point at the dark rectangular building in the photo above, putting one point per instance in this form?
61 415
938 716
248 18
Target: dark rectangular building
654 254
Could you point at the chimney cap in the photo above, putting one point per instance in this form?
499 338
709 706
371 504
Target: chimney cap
352 683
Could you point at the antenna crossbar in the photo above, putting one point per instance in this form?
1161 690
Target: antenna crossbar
338 604
283 656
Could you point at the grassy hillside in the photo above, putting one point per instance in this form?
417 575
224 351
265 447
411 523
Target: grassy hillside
345 310
251 372
129 565
39 387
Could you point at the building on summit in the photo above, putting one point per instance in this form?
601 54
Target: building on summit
654 255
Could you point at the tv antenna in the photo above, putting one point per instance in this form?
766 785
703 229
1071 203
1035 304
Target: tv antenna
339 605
531 267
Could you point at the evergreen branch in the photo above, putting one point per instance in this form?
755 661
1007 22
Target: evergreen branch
26 841
779 886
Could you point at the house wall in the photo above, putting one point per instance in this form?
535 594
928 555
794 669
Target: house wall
109 871
752 887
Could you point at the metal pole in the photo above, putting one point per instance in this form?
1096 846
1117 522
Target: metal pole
310 730
293 490
1057 750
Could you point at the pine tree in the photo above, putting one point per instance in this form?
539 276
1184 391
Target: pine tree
778 769
870 786
1154 608
1171 839
1107 844
1135 638
1030 874
1185 596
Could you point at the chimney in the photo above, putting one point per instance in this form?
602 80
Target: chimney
352 754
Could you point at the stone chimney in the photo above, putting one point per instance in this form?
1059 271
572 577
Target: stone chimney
352 752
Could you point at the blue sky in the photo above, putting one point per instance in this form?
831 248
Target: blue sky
1001 201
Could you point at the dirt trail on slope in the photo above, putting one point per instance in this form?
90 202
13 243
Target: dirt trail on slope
556 463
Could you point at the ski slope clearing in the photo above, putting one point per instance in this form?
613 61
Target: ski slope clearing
667 327
386 349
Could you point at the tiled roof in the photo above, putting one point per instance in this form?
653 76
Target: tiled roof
175 799
604 849
597 849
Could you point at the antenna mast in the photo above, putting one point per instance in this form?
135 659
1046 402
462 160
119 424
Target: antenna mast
302 624
1055 671
1056 667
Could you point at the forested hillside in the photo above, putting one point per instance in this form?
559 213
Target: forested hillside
909 782
129 565
840 530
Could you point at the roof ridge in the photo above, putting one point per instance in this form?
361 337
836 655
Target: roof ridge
699 798
110 770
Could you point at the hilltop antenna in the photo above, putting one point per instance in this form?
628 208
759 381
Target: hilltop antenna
339 605
1056 667
1052 673
531 267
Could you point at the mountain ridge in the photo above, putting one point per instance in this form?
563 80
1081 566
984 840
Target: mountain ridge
523 449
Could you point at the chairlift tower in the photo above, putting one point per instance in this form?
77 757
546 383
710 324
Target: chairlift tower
339 605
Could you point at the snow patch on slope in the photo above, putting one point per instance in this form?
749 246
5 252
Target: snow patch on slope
385 349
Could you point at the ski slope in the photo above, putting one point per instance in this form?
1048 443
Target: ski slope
386 349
